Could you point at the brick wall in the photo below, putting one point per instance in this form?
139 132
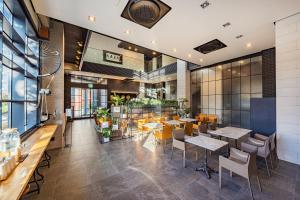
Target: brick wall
288 88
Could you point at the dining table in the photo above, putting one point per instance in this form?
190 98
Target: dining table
230 132
209 144
188 120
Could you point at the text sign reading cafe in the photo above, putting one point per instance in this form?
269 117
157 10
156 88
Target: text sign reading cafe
112 57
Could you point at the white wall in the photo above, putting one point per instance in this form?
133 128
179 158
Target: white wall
94 53
288 88
183 80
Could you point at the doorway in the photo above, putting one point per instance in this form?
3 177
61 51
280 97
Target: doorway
85 101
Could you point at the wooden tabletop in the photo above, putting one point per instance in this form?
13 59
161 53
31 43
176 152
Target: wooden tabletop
230 132
173 122
207 142
13 187
188 120
153 125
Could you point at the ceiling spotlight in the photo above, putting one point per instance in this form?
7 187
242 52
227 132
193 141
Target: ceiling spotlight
77 62
226 24
189 55
92 18
154 53
79 52
239 36
220 66
241 62
249 45
129 47
201 59
77 57
153 41
174 50
135 49
127 32
204 4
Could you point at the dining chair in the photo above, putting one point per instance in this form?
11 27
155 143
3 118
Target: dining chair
202 130
178 142
240 163
163 135
263 150
272 144
188 128
176 117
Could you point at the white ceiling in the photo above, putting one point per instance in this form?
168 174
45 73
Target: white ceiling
185 27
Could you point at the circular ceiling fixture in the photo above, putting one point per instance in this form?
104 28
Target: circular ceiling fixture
144 11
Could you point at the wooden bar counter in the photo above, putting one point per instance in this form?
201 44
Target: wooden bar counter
35 145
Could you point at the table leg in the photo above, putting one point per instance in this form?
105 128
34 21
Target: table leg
205 168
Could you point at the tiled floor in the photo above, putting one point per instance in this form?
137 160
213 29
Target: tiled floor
130 169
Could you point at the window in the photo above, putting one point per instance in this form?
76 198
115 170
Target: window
19 69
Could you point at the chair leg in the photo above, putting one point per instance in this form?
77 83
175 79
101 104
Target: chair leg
250 188
220 177
259 185
271 161
267 167
172 152
196 155
184 159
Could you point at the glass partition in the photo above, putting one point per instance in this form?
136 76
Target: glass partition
225 90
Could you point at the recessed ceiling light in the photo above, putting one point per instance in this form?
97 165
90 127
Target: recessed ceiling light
226 24
153 41
204 4
135 49
129 47
189 55
249 45
92 18
239 36
174 50
154 53
201 59
220 66
127 31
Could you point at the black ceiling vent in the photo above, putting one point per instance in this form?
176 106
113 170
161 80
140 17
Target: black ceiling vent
145 12
211 46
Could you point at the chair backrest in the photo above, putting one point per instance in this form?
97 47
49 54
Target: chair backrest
178 134
167 129
212 118
202 117
176 117
178 139
272 141
188 128
240 155
202 128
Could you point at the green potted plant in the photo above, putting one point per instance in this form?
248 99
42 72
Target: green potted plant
106 132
